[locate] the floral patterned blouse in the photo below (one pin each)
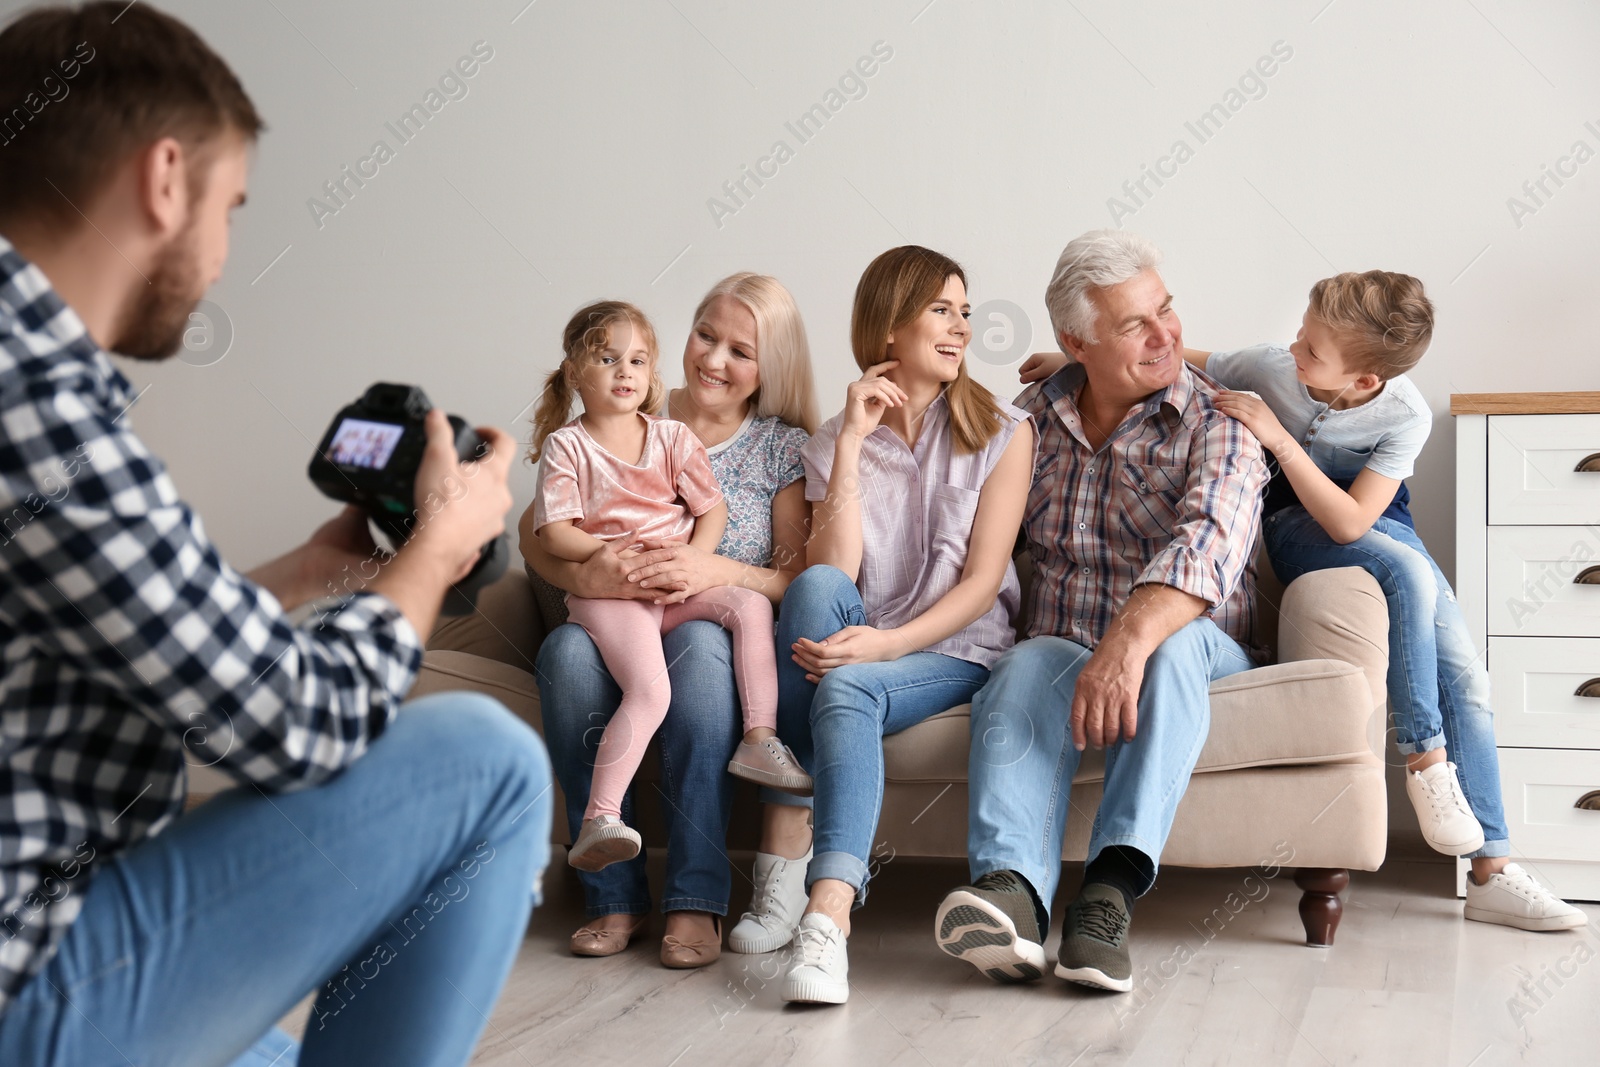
(752, 466)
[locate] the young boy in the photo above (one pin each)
(1345, 426)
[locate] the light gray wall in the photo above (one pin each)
(582, 160)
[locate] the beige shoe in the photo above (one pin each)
(602, 841)
(588, 941)
(770, 763)
(686, 955)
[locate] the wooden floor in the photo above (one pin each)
(1408, 983)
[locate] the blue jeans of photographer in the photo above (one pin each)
(400, 891)
(836, 729)
(703, 726)
(1438, 688)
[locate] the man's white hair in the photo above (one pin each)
(1097, 260)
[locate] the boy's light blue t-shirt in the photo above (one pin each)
(1386, 433)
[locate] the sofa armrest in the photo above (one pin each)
(506, 628)
(1338, 614)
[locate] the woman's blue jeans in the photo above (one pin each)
(702, 728)
(1438, 688)
(836, 729)
(400, 889)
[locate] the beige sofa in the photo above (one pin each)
(1291, 774)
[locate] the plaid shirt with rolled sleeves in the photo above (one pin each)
(1173, 497)
(129, 647)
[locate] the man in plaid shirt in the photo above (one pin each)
(1142, 525)
(388, 855)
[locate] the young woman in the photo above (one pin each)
(748, 397)
(917, 491)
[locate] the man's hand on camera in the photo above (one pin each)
(461, 507)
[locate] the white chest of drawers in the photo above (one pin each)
(1528, 581)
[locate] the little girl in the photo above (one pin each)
(616, 472)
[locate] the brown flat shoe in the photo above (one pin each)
(686, 955)
(590, 942)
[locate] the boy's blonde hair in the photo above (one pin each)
(1383, 320)
(783, 357)
(587, 334)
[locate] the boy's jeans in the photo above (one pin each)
(1438, 688)
(399, 891)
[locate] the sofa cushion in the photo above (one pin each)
(507, 626)
(444, 671)
(1306, 712)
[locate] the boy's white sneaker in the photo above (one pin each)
(775, 907)
(1513, 898)
(1448, 824)
(821, 971)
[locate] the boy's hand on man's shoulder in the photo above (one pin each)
(1257, 417)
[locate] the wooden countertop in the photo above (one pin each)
(1524, 403)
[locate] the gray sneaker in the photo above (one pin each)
(992, 925)
(1094, 941)
(770, 763)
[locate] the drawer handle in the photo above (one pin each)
(1590, 801)
(1588, 576)
(1591, 688)
(1589, 464)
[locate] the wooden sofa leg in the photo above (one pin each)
(1320, 907)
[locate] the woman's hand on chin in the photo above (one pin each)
(673, 571)
(853, 644)
(868, 397)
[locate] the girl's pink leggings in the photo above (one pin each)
(628, 635)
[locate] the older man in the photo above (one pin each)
(1141, 523)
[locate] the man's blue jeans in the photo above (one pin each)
(401, 889)
(703, 726)
(836, 729)
(1438, 688)
(1020, 769)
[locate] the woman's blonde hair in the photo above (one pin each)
(893, 290)
(1383, 320)
(785, 387)
(587, 334)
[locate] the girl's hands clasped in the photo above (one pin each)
(853, 644)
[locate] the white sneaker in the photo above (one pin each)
(1513, 898)
(775, 906)
(1448, 824)
(821, 971)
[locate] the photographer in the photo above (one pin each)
(386, 856)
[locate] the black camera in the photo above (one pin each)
(369, 457)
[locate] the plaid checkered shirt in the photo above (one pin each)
(1173, 497)
(130, 648)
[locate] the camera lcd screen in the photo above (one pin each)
(359, 443)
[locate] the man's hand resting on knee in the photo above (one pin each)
(1105, 699)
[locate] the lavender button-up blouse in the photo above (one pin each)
(917, 509)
